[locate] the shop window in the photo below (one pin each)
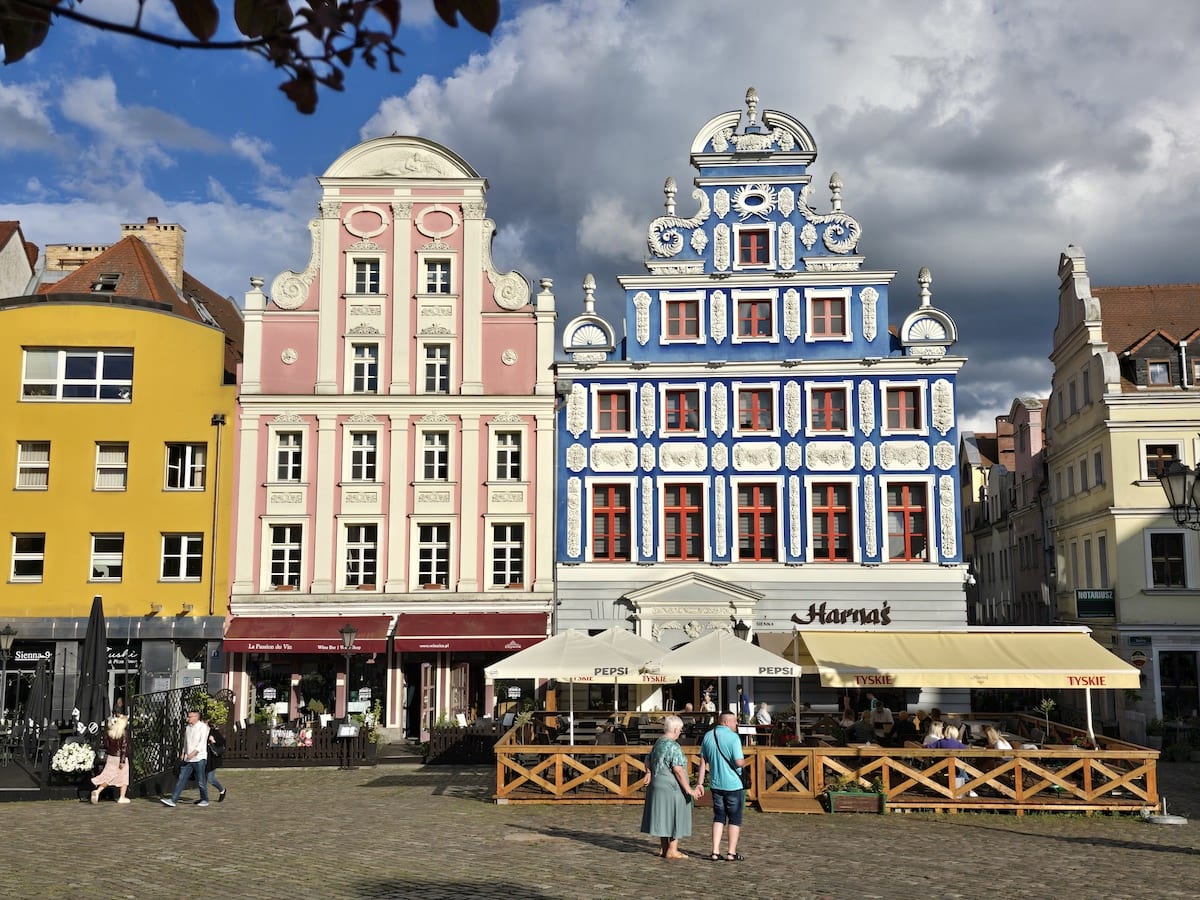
(508, 555)
(185, 466)
(756, 409)
(683, 319)
(612, 522)
(683, 522)
(362, 555)
(758, 523)
(832, 525)
(437, 276)
(1168, 566)
(112, 466)
(33, 465)
(433, 554)
(365, 375)
(682, 411)
(286, 544)
(289, 456)
(28, 557)
(435, 456)
(437, 368)
(182, 556)
(108, 557)
(508, 456)
(363, 456)
(612, 412)
(82, 374)
(908, 522)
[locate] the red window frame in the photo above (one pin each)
(903, 408)
(754, 247)
(756, 409)
(831, 506)
(612, 513)
(758, 523)
(827, 405)
(683, 522)
(827, 316)
(612, 412)
(683, 319)
(755, 318)
(681, 411)
(908, 508)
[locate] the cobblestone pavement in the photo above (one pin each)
(433, 832)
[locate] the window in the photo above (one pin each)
(1102, 558)
(106, 283)
(33, 465)
(754, 247)
(366, 369)
(827, 410)
(1087, 563)
(366, 276)
(1167, 566)
(362, 555)
(433, 554)
(285, 555)
(755, 318)
(435, 456)
(185, 466)
(1083, 475)
(828, 317)
(903, 408)
(1058, 485)
(362, 455)
(1070, 481)
(1158, 373)
(1157, 458)
(756, 409)
(508, 456)
(29, 557)
(612, 412)
(437, 368)
(112, 466)
(289, 456)
(682, 410)
(908, 526)
(108, 557)
(78, 375)
(611, 523)
(1072, 394)
(1098, 467)
(832, 527)
(683, 522)
(1087, 388)
(181, 557)
(1062, 415)
(508, 555)
(437, 276)
(758, 523)
(683, 319)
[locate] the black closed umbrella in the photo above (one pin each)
(91, 698)
(37, 708)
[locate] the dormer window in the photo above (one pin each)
(1158, 373)
(106, 283)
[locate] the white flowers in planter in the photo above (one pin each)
(73, 758)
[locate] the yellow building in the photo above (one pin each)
(118, 380)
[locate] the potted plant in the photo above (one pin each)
(847, 794)
(1046, 706)
(1154, 733)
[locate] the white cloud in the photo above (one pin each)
(24, 124)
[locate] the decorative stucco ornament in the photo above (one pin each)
(791, 314)
(664, 237)
(719, 399)
(808, 235)
(795, 545)
(866, 457)
(365, 233)
(510, 289)
(647, 518)
(719, 503)
(866, 407)
(720, 457)
(641, 303)
(869, 297)
(869, 524)
(699, 240)
(289, 290)
(787, 201)
(755, 457)
(791, 407)
(508, 357)
(787, 246)
(576, 457)
(646, 416)
(832, 456)
(903, 455)
(754, 200)
(943, 405)
(721, 203)
(577, 410)
(574, 517)
(943, 455)
(614, 457)
(721, 248)
(288, 356)
(716, 316)
(793, 456)
(946, 504)
(647, 457)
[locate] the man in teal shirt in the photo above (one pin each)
(721, 752)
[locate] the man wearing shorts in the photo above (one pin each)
(721, 754)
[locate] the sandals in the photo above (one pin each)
(734, 857)
(714, 857)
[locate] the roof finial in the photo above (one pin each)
(835, 189)
(752, 104)
(669, 189)
(924, 279)
(589, 288)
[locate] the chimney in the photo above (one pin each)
(166, 241)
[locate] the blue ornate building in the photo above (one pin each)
(756, 443)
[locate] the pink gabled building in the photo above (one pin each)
(397, 404)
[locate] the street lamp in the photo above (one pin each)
(7, 633)
(348, 633)
(741, 630)
(1179, 484)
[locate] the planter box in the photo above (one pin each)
(856, 802)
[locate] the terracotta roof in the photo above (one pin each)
(1131, 314)
(985, 441)
(227, 316)
(10, 228)
(140, 276)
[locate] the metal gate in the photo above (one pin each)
(157, 721)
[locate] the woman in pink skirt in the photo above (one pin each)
(116, 763)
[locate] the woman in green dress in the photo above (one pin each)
(668, 811)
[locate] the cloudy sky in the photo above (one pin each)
(978, 139)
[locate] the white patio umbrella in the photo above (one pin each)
(573, 656)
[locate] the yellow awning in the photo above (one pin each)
(991, 658)
(780, 643)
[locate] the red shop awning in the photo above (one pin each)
(305, 634)
(434, 632)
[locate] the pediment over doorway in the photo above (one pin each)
(688, 606)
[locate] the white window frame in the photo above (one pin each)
(497, 430)
(931, 515)
(660, 542)
(491, 524)
(107, 558)
(424, 362)
(424, 258)
(856, 554)
(1144, 443)
(847, 388)
(112, 469)
(1150, 382)
(428, 453)
(736, 242)
(781, 516)
(354, 450)
(353, 361)
(191, 546)
(295, 455)
(922, 386)
(27, 556)
(635, 522)
(736, 408)
(845, 294)
(594, 391)
(122, 387)
(701, 387)
(432, 265)
(416, 547)
(1188, 566)
(33, 466)
(268, 544)
(754, 294)
(346, 546)
(192, 466)
(700, 298)
(353, 258)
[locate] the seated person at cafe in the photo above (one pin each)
(687, 708)
(950, 741)
(994, 740)
(935, 716)
(862, 731)
(881, 716)
(903, 729)
(934, 734)
(707, 705)
(964, 730)
(763, 715)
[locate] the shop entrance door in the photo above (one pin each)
(428, 699)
